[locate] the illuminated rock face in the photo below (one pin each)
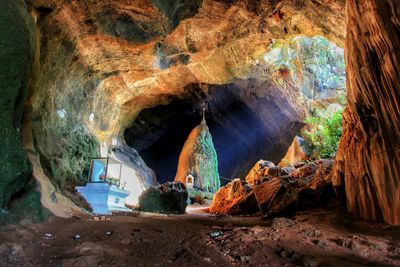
(368, 160)
(199, 159)
(295, 154)
(103, 62)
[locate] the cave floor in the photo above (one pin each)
(313, 238)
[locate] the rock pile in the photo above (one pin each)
(276, 191)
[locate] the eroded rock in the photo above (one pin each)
(306, 187)
(295, 153)
(368, 158)
(260, 171)
(167, 198)
(234, 199)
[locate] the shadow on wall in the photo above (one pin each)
(245, 127)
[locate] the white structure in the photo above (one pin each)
(104, 198)
(189, 181)
(110, 186)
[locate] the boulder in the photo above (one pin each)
(260, 171)
(305, 171)
(168, 198)
(277, 197)
(295, 153)
(235, 198)
(287, 170)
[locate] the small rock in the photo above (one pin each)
(317, 233)
(350, 244)
(207, 259)
(375, 246)
(309, 233)
(280, 223)
(257, 230)
(319, 243)
(126, 241)
(109, 233)
(245, 258)
(77, 237)
(215, 234)
(48, 236)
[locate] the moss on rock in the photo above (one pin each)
(16, 48)
(24, 205)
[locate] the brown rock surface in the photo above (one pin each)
(235, 198)
(259, 172)
(275, 197)
(308, 187)
(368, 159)
(294, 154)
(305, 171)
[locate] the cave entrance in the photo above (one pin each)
(241, 135)
(252, 119)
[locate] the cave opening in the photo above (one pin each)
(240, 134)
(251, 119)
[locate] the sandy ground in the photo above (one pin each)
(316, 238)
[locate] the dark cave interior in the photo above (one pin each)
(240, 135)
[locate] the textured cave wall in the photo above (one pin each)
(16, 54)
(368, 159)
(102, 62)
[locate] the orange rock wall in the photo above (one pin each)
(368, 160)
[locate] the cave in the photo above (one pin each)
(200, 133)
(241, 136)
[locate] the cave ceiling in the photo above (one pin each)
(100, 63)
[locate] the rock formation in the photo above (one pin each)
(16, 55)
(236, 198)
(260, 171)
(367, 168)
(296, 153)
(278, 194)
(166, 198)
(102, 63)
(199, 159)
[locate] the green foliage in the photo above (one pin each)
(323, 132)
(78, 149)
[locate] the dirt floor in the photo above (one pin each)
(316, 238)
